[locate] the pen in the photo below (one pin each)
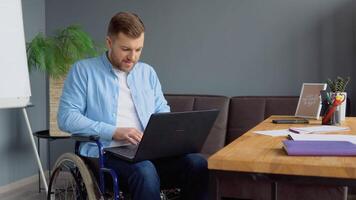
(329, 99)
(292, 130)
(325, 97)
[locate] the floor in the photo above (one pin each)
(28, 192)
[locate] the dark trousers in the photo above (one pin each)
(144, 179)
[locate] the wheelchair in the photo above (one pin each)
(75, 177)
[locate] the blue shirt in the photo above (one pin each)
(89, 101)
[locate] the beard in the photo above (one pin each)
(121, 65)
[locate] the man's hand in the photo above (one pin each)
(131, 135)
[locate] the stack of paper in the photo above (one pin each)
(318, 129)
(303, 130)
(322, 137)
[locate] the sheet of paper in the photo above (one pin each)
(319, 129)
(280, 132)
(323, 137)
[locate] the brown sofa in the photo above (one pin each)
(238, 115)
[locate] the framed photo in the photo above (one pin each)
(309, 104)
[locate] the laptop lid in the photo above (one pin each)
(173, 134)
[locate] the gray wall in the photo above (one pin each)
(231, 47)
(227, 47)
(16, 154)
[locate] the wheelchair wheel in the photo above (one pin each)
(71, 180)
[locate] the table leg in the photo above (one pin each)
(49, 159)
(39, 175)
(274, 191)
(214, 192)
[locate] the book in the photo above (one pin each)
(319, 148)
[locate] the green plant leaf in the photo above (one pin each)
(338, 85)
(55, 54)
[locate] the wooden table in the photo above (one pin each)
(260, 154)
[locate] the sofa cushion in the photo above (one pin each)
(245, 112)
(180, 103)
(216, 138)
(286, 105)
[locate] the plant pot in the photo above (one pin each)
(55, 92)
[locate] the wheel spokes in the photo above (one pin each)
(67, 184)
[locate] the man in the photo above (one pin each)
(113, 96)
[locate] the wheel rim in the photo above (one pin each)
(66, 183)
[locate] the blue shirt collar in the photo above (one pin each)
(106, 61)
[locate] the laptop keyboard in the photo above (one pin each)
(126, 151)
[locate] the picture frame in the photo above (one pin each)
(309, 104)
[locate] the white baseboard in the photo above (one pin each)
(15, 186)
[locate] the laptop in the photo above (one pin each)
(169, 134)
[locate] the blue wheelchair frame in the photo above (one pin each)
(174, 192)
(102, 168)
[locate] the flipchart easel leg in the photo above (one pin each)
(35, 149)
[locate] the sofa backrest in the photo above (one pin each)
(237, 114)
(217, 136)
(245, 112)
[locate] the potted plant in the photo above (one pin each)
(338, 87)
(55, 55)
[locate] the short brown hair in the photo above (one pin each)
(125, 22)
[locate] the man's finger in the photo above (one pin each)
(132, 141)
(139, 135)
(136, 137)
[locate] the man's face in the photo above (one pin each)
(124, 52)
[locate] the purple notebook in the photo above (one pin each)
(319, 148)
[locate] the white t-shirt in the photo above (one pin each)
(126, 111)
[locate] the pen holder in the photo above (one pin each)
(332, 116)
(342, 108)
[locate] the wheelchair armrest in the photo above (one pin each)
(95, 138)
(91, 138)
